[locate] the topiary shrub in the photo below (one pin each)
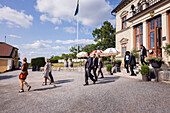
(145, 70)
(109, 67)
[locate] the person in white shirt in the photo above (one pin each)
(126, 60)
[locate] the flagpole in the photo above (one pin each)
(77, 34)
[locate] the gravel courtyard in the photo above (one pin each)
(113, 94)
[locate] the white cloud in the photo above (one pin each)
(56, 28)
(14, 36)
(81, 41)
(59, 47)
(70, 29)
(51, 19)
(85, 30)
(12, 16)
(92, 12)
(113, 22)
(1, 5)
(37, 45)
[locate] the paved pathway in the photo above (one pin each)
(113, 94)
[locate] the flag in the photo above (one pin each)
(77, 8)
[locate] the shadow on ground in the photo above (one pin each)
(7, 77)
(48, 88)
(108, 80)
(63, 81)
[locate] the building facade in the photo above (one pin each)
(144, 22)
(9, 57)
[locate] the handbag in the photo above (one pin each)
(22, 76)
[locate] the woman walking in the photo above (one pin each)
(46, 72)
(23, 75)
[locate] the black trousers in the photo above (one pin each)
(131, 69)
(88, 74)
(142, 59)
(127, 66)
(100, 71)
(94, 72)
(51, 77)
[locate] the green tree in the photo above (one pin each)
(105, 36)
(73, 51)
(89, 48)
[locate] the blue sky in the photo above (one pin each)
(48, 27)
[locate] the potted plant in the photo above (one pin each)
(167, 51)
(109, 68)
(145, 71)
(155, 62)
(118, 63)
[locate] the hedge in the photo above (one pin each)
(39, 61)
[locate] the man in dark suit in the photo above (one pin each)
(95, 66)
(100, 66)
(132, 62)
(126, 60)
(88, 67)
(143, 54)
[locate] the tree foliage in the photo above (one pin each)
(104, 36)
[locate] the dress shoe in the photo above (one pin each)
(85, 84)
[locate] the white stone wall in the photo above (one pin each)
(128, 33)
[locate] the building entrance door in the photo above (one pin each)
(155, 36)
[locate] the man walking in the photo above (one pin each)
(132, 62)
(143, 54)
(50, 72)
(126, 61)
(88, 67)
(95, 66)
(100, 66)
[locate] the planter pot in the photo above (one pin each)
(156, 64)
(145, 78)
(117, 64)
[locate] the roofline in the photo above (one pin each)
(119, 6)
(8, 57)
(146, 10)
(9, 45)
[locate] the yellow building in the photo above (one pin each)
(144, 22)
(9, 58)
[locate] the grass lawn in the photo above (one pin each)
(62, 64)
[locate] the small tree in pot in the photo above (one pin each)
(145, 71)
(118, 63)
(167, 51)
(109, 68)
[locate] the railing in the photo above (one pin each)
(142, 5)
(152, 2)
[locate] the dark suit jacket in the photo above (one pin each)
(144, 53)
(95, 62)
(132, 61)
(89, 63)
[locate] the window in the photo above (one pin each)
(123, 49)
(138, 36)
(124, 22)
(155, 31)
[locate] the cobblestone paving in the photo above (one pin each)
(113, 94)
